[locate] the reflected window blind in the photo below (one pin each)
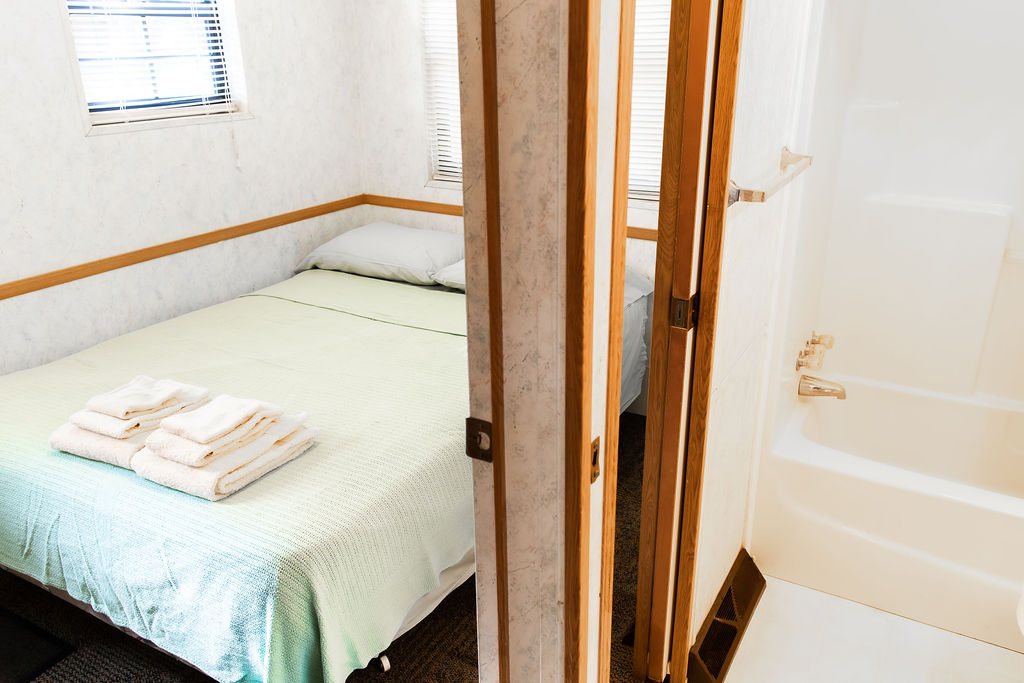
(150, 59)
(650, 65)
(441, 67)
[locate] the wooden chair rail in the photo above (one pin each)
(83, 270)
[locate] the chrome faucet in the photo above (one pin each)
(813, 354)
(815, 386)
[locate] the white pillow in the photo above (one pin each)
(453, 276)
(389, 251)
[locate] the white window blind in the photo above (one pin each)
(650, 63)
(647, 122)
(150, 59)
(441, 66)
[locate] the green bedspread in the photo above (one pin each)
(307, 573)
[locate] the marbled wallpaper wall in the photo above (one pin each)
(532, 85)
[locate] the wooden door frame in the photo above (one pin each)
(496, 362)
(620, 205)
(726, 70)
(693, 202)
(680, 214)
(584, 39)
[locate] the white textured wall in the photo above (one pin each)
(775, 41)
(335, 92)
(393, 125)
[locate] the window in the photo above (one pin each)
(441, 66)
(647, 121)
(650, 64)
(150, 59)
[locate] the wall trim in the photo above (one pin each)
(649, 234)
(412, 204)
(62, 276)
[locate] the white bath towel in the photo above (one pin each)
(220, 416)
(85, 444)
(144, 395)
(117, 428)
(188, 452)
(284, 441)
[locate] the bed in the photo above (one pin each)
(313, 570)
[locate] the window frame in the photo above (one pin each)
(230, 104)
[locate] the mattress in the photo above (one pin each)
(312, 570)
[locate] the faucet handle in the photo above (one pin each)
(810, 357)
(825, 340)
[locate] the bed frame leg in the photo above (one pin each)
(383, 663)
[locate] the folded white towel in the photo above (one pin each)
(86, 444)
(188, 452)
(285, 440)
(117, 428)
(220, 416)
(144, 395)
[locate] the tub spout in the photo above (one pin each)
(815, 386)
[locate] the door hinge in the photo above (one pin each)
(595, 460)
(478, 439)
(684, 312)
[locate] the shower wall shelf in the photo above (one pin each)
(790, 166)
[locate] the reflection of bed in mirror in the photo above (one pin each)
(313, 570)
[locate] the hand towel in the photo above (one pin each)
(116, 428)
(218, 417)
(144, 395)
(86, 444)
(187, 452)
(283, 442)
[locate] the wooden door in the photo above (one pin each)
(703, 52)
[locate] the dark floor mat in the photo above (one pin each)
(26, 650)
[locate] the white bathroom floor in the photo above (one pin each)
(799, 635)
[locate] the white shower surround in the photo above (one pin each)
(908, 496)
(854, 504)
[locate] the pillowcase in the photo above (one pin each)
(389, 251)
(453, 276)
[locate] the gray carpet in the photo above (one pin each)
(442, 648)
(627, 543)
(26, 650)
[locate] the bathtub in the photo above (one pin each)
(908, 501)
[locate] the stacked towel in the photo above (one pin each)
(222, 447)
(114, 425)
